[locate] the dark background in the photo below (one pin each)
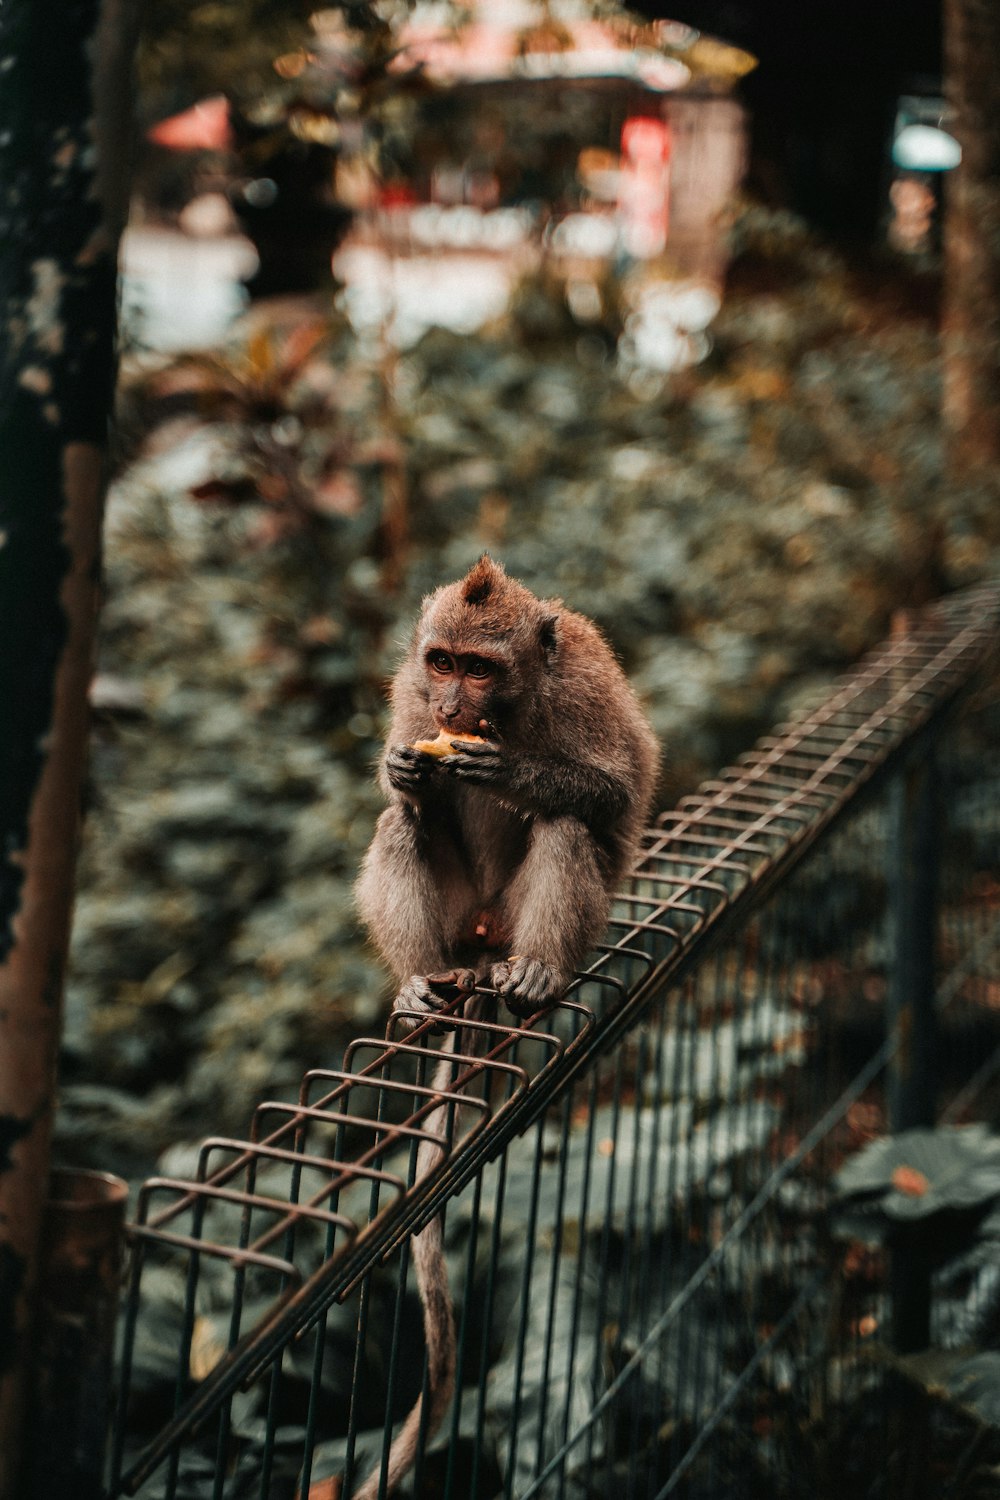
(823, 98)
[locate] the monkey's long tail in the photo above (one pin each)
(439, 1319)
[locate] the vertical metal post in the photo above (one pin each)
(913, 899)
(912, 1081)
(80, 1256)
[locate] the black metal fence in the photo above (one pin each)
(651, 1299)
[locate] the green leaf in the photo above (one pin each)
(961, 1167)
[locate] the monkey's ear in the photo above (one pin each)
(548, 638)
(478, 584)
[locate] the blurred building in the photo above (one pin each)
(569, 118)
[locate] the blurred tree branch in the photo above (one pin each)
(972, 239)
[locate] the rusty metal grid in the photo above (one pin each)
(347, 1145)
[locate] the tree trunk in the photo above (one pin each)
(64, 108)
(972, 239)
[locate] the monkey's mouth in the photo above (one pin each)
(484, 728)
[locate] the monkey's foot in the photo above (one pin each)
(527, 984)
(430, 993)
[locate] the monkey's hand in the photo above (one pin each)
(429, 993)
(482, 765)
(409, 770)
(553, 787)
(527, 984)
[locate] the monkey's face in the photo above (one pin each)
(479, 651)
(464, 690)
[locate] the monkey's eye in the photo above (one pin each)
(439, 661)
(479, 668)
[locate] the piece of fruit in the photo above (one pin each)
(444, 745)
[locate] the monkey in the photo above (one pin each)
(495, 866)
(501, 860)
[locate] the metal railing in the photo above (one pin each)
(634, 1182)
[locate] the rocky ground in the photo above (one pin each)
(741, 530)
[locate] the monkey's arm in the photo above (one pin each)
(558, 903)
(411, 895)
(400, 895)
(549, 786)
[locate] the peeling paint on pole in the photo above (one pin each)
(64, 97)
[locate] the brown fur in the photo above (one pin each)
(499, 862)
(542, 848)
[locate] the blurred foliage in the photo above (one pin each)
(921, 1174)
(225, 46)
(251, 51)
(268, 401)
(740, 529)
(971, 1381)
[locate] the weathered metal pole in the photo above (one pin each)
(912, 1082)
(65, 67)
(913, 900)
(69, 1385)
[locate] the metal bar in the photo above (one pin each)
(530, 1243)
(733, 1392)
(491, 1287)
(573, 1341)
(911, 1016)
(707, 1266)
(555, 1255)
(913, 882)
(462, 1338)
